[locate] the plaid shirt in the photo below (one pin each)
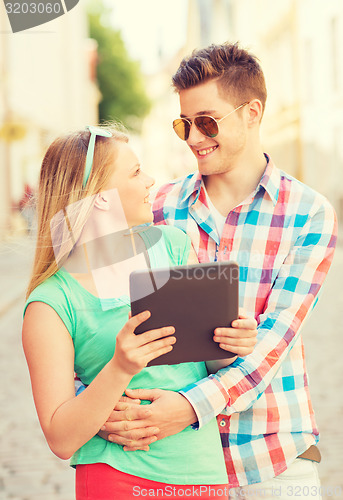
(283, 237)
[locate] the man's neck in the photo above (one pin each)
(231, 188)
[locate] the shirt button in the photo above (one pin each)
(222, 423)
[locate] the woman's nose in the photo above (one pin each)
(150, 181)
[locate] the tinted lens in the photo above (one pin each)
(207, 125)
(181, 128)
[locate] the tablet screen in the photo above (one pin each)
(194, 299)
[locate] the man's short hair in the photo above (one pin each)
(237, 72)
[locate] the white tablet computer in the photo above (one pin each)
(194, 299)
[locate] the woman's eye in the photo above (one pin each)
(138, 171)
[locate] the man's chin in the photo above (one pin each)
(210, 169)
(203, 170)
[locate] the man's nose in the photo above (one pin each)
(195, 136)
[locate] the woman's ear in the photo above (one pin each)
(101, 202)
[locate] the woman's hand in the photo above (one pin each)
(240, 338)
(133, 352)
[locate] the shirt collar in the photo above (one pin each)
(270, 182)
(191, 189)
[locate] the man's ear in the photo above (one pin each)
(255, 110)
(101, 202)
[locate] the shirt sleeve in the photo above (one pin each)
(56, 299)
(292, 296)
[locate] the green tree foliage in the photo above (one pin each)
(119, 78)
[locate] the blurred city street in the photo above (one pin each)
(29, 471)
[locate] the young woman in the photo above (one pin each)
(94, 228)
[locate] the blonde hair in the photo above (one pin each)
(61, 191)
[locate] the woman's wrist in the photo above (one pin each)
(118, 371)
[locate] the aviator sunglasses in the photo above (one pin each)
(207, 125)
(94, 131)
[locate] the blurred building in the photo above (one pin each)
(47, 87)
(300, 46)
(163, 153)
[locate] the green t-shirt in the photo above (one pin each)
(189, 457)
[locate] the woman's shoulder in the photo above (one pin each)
(176, 242)
(52, 291)
(51, 286)
(172, 233)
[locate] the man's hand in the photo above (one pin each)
(128, 425)
(135, 427)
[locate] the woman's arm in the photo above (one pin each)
(67, 421)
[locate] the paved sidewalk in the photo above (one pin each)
(16, 257)
(323, 342)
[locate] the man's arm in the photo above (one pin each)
(136, 427)
(290, 300)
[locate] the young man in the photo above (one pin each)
(240, 206)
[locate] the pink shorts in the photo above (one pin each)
(102, 482)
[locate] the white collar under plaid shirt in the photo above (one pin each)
(283, 237)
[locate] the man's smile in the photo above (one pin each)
(206, 151)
